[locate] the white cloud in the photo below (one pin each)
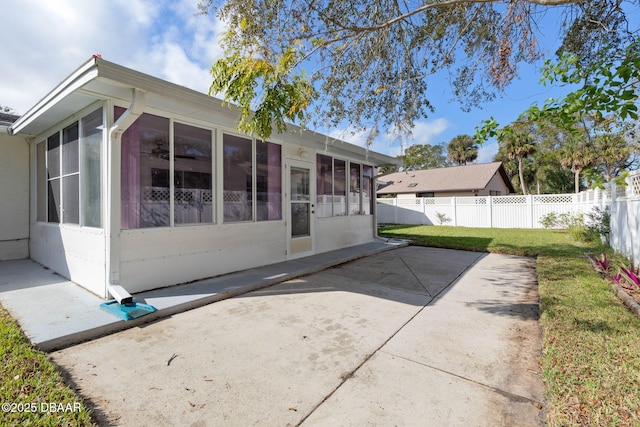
(428, 132)
(49, 40)
(424, 132)
(486, 152)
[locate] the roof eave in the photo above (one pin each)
(116, 75)
(83, 74)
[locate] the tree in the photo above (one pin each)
(518, 145)
(369, 62)
(576, 155)
(424, 156)
(462, 149)
(7, 110)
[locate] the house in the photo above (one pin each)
(483, 179)
(119, 178)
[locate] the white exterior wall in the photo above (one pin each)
(156, 257)
(495, 184)
(343, 231)
(77, 253)
(14, 196)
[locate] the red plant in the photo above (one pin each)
(601, 263)
(632, 275)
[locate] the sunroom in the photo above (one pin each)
(141, 183)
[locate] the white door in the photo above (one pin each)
(300, 209)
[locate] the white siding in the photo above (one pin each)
(153, 258)
(14, 196)
(343, 231)
(77, 253)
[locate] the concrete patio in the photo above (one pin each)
(56, 313)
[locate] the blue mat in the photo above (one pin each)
(128, 311)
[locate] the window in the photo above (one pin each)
(354, 189)
(426, 194)
(331, 185)
(238, 178)
(324, 186)
(91, 127)
(300, 203)
(53, 178)
(367, 190)
(339, 187)
(145, 189)
(68, 173)
(268, 181)
(41, 180)
(193, 193)
(147, 167)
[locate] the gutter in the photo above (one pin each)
(112, 225)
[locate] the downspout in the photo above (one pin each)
(112, 225)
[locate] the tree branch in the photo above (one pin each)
(447, 3)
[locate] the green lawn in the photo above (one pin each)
(32, 392)
(591, 342)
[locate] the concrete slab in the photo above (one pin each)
(354, 345)
(468, 359)
(55, 313)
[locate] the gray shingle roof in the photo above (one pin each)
(456, 178)
(7, 119)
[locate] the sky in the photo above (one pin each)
(45, 41)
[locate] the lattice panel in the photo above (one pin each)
(429, 201)
(509, 200)
(207, 196)
(184, 197)
(471, 200)
(553, 198)
(155, 194)
(233, 196)
(635, 185)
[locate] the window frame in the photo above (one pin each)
(348, 204)
(43, 181)
(255, 216)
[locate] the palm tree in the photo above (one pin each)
(462, 149)
(576, 154)
(518, 146)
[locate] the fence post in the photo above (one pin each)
(455, 211)
(530, 207)
(490, 210)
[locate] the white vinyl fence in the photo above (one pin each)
(625, 218)
(487, 211)
(525, 211)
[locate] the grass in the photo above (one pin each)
(591, 342)
(32, 391)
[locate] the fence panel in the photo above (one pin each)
(488, 211)
(511, 212)
(625, 218)
(472, 212)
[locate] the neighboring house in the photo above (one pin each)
(117, 177)
(484, 179)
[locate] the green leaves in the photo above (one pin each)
(275, 92)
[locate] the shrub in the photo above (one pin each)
(599, 222)
(549, 220)
(442, 218)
